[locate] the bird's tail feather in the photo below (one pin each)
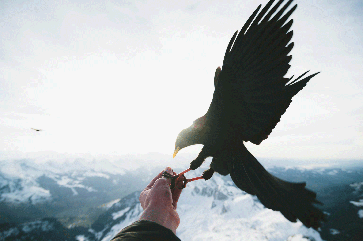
(293, 200)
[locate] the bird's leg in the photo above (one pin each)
(192, 179)
(196, 163)
(185, 171)
(203, 154)
(207, 174)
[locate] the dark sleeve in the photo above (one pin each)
(145, 230)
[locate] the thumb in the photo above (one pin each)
(169, 170)
(161, 189)
(167, 180)
(163, 181)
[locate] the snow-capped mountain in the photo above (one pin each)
(69, 191)
(33, 181)
(19, 180)
(95, 200)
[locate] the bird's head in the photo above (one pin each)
(192, 135)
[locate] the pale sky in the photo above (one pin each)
(124, 77)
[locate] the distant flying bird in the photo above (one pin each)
(37, 129)
(250, 96)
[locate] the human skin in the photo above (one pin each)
(159, 201)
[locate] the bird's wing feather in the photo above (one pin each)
(218, 71)
(252, 76)
(293, 200)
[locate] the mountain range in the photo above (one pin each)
(92, 200)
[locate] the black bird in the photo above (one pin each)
(36, 129)
(251, 94)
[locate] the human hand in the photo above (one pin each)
(159, 201)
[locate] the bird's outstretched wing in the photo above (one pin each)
(252, 82)
(293, 200)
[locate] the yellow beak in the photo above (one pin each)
(176, 151)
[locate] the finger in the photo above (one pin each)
(177, 191)
(142, 199)
(160, 175)
(161, 193)
(175, 196)
(151, 184)
(170, 171)
(144, 193)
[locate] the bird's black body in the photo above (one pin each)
(251, 94)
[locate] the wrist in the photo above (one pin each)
(167, 218)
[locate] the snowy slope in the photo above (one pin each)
(217, 210)
(358, 189)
